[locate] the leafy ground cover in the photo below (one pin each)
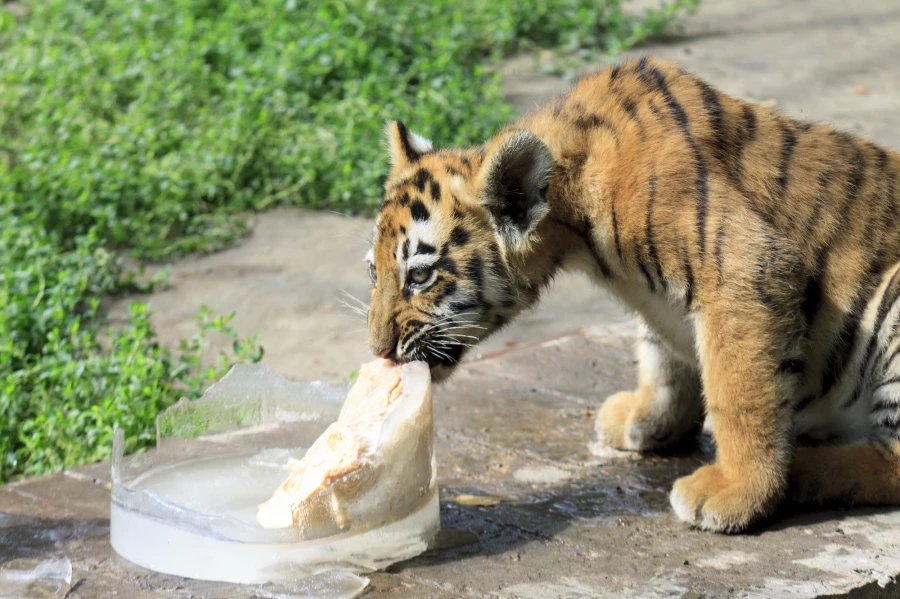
(143, 127)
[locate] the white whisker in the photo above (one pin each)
(464, 326)
(454, 316)
(355, 313)
(435, 350)
(440, 335)
(367, 241)
(355, 299)
(456, 322)
(446, 345)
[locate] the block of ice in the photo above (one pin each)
(189, 506)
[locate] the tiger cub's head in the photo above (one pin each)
(449, 244)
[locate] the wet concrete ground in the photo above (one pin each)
(576, 520)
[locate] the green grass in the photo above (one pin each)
(147, 127)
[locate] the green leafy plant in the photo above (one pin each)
(62, 394)
(191, 371)
(155, 122)
(153, 127)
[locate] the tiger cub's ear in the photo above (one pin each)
(406, 146)
(513, 187)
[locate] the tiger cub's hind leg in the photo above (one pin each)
(864, 473)
(666, 406)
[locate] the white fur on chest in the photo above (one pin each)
(665, 315)
(668, 318)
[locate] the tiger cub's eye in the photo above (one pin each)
(419, 275)
(372, 274)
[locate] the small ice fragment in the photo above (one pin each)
(28, 577)
(326, 585)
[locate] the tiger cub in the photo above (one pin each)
(761, 255)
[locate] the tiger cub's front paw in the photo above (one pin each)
(624, 422)
(709, 500)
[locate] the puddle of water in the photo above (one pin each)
(633, 487)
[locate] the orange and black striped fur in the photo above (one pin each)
(760, 253)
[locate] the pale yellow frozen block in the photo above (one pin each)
(373, 465)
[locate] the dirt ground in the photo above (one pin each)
(825, 60)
